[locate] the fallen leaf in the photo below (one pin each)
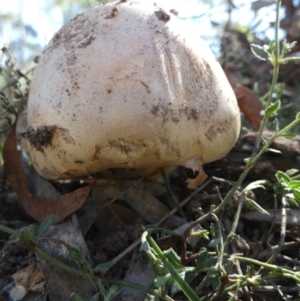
(248, 102)
(141, 273)
(38, 208)
(31, 278)
(60, 240)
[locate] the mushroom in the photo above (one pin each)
(124, 85)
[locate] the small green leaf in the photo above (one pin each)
(214, 242)
(255, 280)
(246, 160)
(95, 297)
(76, 254)
(294, 184)
(279, 188)
(250, 271)
(256, 206)
(112, 292)
(282, 177)
(44, 226)
(296, 193)
(214, 280)
(240, 242)
(255, 185)
(202, 259)
(174, 289)
(298, 116)
(28, 236)
(199, 233)
(292, 200)
(273, 108)
(260, 52)
(103, 266)
(187, 276)
(173, 258)
(287, 46)
(288, 136)
(160, 281)
(144, 242)
(271, 47)
(291, 172)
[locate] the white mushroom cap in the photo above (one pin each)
(124, 86)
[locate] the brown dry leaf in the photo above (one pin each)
(248, 102)
(30, 278)
(37, 208)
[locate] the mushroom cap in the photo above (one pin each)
(124, 85)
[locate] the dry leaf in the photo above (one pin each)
(61, 284)
(248, 102)
(31, 278)
(37, 208)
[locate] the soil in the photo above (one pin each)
(259, 236)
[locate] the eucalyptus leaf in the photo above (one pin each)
(44, 226)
